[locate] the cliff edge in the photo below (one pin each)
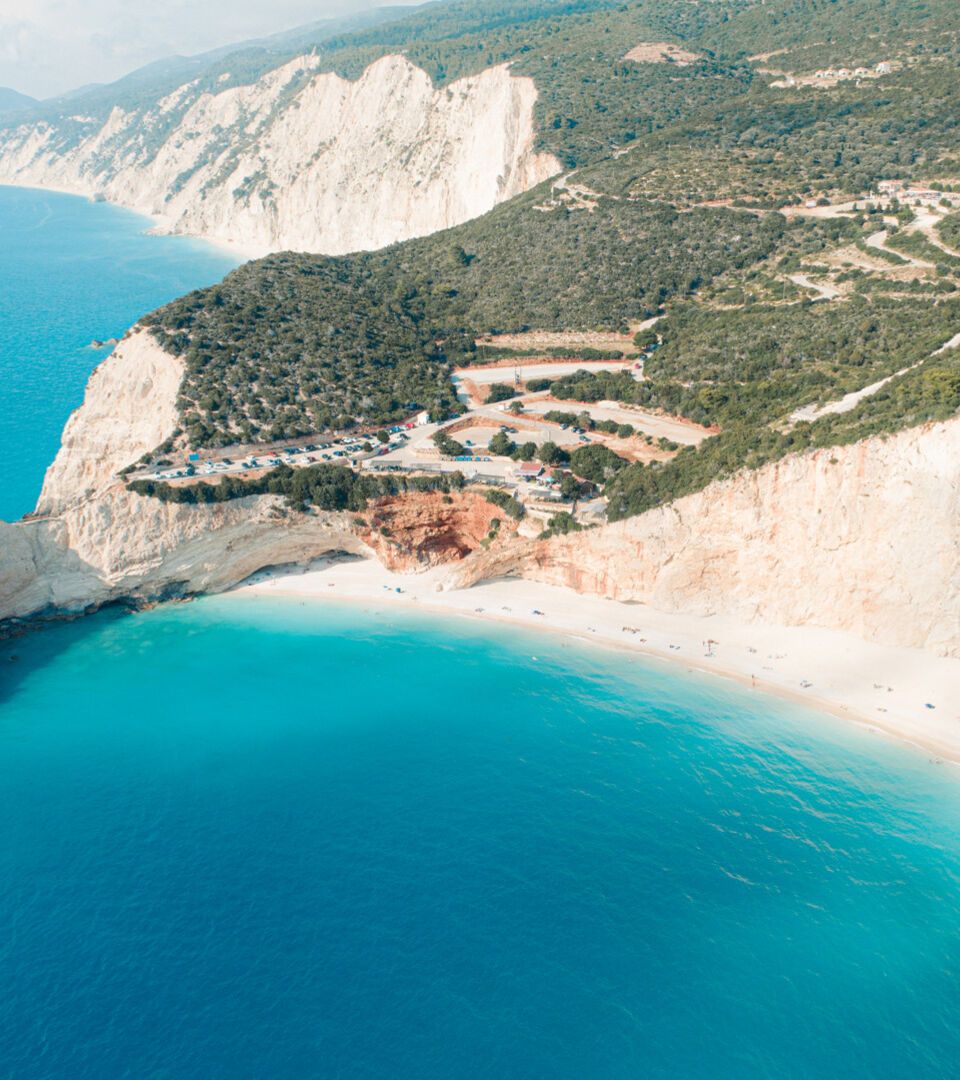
(301, 159)
(862, 538)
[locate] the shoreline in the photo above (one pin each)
(158, 224)
(880, 688)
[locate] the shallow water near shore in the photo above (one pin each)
(257, 837)
(70, 271)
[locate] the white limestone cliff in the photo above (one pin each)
(93, 541)
(129, 408)
(301, 159)
(862, 538)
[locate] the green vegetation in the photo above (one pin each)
(750, 369)
(561, 524)
(500, 392)
(596, 463)
(551, 454)
(883, 254)
(501, 445)
(507, 503)
(917, 245)
(770, 147)
(949, 230)
(524, 452)
(295, 344)
(326, 487)
(487, 353)
(754, 366)
(931, 392)
(448, 446)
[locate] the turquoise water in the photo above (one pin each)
(71, 271)
(253, 838)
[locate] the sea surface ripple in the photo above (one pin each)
(251, 837)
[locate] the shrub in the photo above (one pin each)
(500, 392)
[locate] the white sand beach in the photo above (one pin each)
(890, 690)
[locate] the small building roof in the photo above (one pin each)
(530, 468)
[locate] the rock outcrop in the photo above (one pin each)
(129, 408)
(93, 541)
(418, 531)
(862, 538)
(301, 159)
(119, 546)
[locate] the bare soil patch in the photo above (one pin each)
(661, 52)
(545, 340)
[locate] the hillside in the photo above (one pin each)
(348, 135)
(302, 158)
(737, 257)
(13, 103)
(714, 249)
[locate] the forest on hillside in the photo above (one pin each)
(294, 344)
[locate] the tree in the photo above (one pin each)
(596, 463)
(561, 524)
(447, 446)
(500, 392)
(501, 445)
(525, 452)
(551, 454)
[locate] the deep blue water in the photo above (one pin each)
(253, 838)
(71, 271)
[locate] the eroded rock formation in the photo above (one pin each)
(863, 538)
(301, 159)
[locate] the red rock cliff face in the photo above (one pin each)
(417, 531)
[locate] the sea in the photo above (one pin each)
(258, 837)
(72, 271)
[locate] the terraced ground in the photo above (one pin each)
(747, 218)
